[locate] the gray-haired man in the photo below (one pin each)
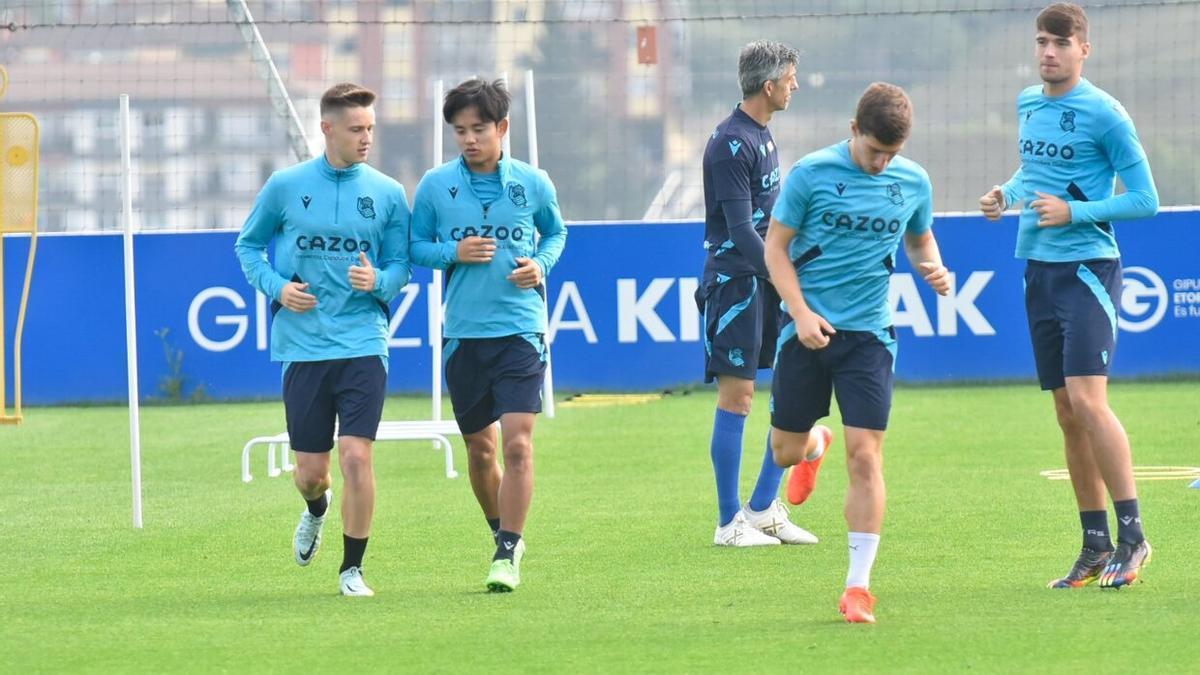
(741, 308)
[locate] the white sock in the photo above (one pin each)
(863, 546)
(819, 449)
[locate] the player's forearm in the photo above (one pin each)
(549, 248)
(743, 235)
(390, 279)
(921, 249)
(393, 269)
(1140, 199)
(783, 278)
(258, 271)
(434, 254)
(1014, 189)
(252, 242)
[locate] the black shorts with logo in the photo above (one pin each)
(857, 366)
(488, 377)
(741, 322)
(1072, 312)
(318, 394)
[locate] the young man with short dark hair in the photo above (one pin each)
(831, 249)
(1075, 139)
(493, 223)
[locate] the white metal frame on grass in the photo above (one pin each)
(278, 446)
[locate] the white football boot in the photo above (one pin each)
(307, 539)
(774, 521)
(352, 584)
(741, 534)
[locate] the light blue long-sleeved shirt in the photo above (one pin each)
(320, 219)
(1073, 146)
(480, 301)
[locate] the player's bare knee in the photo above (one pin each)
(735, 395)
(1064, 411)
(863, 462)
(482, 459)
(355, 464)
(518, 453)
(481, 452)
(305, 484)
(1067, 420)
(738, 406)
(788, 451)
(1087, 409)
(310, 483)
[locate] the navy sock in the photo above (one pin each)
(506, 545)
(769, 478)
(726, 451)
(317, 507)
(1129, 522)
(1095, 530)
(494, 523)
(352, 552)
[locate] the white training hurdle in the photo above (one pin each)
(278, 445)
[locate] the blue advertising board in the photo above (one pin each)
(621, 307)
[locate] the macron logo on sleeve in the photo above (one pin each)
(734, 146)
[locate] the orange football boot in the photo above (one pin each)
(857, 605)
(803, 478)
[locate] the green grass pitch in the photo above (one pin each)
(620, 575)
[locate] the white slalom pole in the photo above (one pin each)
(435, 286)
(135, 442)
(506, 143)
(531, 131)
(531, 119)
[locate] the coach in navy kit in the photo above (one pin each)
(740, 306)
(492, 222)
(340, 230)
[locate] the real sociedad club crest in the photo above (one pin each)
(366, 207)
(894, 194)
(516, 194)
(1067, 121)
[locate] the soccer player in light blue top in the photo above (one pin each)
(340, 230)
(830, 250)
(493, 224)
(740, 307)
(1074, 140)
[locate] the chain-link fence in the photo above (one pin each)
(622, 139)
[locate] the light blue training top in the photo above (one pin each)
(524, 221)
(848, 225)
(1073, 146)
(320, 219)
